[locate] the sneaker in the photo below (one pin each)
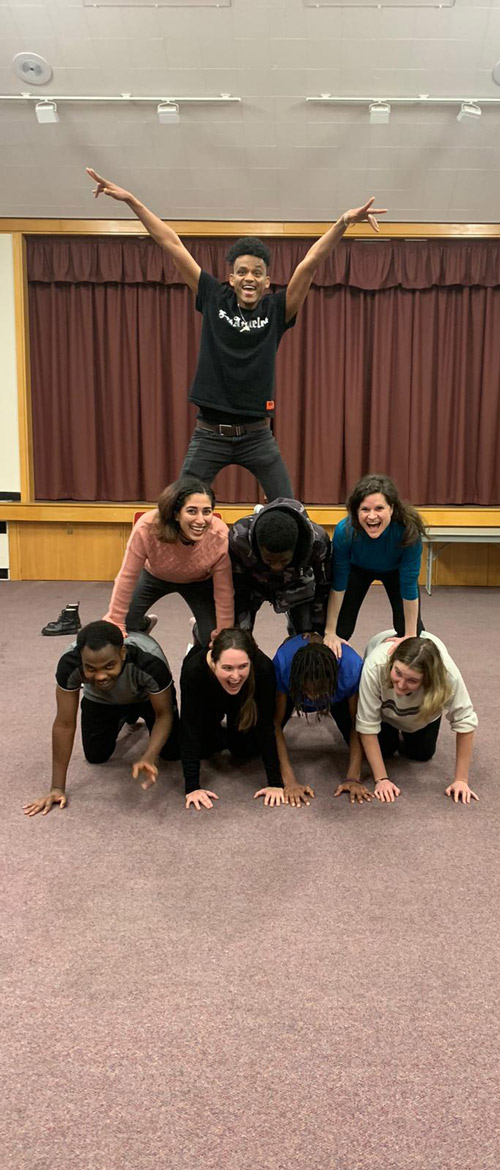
(67, 623)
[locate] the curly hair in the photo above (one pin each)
(402, 513)
(249, 246)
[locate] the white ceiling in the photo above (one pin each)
(273, 157)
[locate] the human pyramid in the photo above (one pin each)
(232, 695)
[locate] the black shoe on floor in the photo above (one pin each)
(67, 623)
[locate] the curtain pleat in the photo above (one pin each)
(393, 366)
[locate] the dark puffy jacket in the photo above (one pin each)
(305, 582)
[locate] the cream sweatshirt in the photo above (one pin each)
(180, 562)
(378, 702)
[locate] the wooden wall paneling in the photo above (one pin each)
(493, 564)
(69, 552)
(462, 564)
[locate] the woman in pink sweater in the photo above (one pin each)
(180, 547)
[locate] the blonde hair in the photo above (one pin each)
(422, 655)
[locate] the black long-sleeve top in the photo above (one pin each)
(204, 703)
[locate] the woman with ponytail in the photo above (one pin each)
(234, 682)
(403, 693)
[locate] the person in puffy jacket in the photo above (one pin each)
(279, 555)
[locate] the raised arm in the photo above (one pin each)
(63, 734)
(301, 280)
(160, 231)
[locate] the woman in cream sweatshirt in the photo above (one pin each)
(403, 692)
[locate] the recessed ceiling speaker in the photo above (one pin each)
(30, 67)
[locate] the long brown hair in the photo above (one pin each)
(233, 639)
(172, 498)
(424, 656)
(402, 513)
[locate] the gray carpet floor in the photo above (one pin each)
(247, 988)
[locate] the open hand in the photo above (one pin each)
(272, 796)
(150, 770)
(106, 187)
(357, 791)
(44, 804)
(298, 794)
(364, 214)
(460, 791)
(201, 798)
(386, 791)
(335, 643)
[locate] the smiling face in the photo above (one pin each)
(195, 517)
(102, 667)
(250, 280)
(231, 670)
(374, 514)
(404, 679)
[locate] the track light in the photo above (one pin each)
(46, 112)
(468, 110)
(380, 113)
(168, 113)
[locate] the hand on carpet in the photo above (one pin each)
(201, 798)
(357, 791)
(272, 796)
(460, 791)
(296, 794)
(44, 804)
(386, 791)
(151, 773)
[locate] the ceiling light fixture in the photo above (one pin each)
(380, 113)
(168, 113)
(470, 107)
(468, 110)
(46, 111)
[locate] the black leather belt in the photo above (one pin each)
(231, 430)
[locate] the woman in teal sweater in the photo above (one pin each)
(380, 540)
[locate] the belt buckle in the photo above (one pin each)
(226, 430)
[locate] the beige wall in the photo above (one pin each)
(10, 477)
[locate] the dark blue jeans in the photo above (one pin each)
(208, 453)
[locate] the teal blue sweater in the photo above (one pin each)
(379, 555)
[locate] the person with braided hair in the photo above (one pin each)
(311, 680)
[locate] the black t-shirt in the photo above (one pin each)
(235, 374)
(145, 672)
(204, 703)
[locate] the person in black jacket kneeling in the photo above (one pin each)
(279, 555)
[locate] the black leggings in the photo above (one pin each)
(101, 722)
(357, 587)
(416, 745)
(199, 595)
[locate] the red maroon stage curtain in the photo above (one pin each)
(393, 366)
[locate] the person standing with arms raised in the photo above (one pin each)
(243, 324)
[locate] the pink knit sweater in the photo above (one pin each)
(175, 562)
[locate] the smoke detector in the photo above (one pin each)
(30, 67)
